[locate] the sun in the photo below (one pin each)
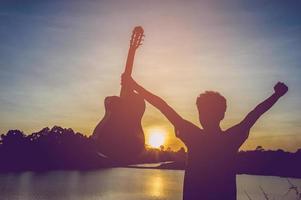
(156, 138)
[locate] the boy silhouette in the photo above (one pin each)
(210, 171)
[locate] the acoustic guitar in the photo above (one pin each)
(119, 135)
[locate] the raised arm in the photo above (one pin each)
(279, 90)
(240, 132)
(156, 101)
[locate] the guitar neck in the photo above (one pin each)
(128, 71)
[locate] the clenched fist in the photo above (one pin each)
(280, 89)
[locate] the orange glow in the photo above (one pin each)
(156, 138)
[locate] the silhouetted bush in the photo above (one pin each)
(55, 148)
(260, 162)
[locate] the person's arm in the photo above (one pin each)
(156, 101)
(184, 129)
(241, 130)
(279, 90)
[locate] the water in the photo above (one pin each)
(124, 184)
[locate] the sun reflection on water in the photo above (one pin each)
(156, 186)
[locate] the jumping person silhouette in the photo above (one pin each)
(210, 172)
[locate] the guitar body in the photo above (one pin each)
(119, 134)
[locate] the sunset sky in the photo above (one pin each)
(59, 59)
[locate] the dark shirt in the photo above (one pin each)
(210, 172)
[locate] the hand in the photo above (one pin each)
(280, 89)
(127, 80)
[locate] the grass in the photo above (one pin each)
(292, 188)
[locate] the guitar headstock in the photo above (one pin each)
(137, 37)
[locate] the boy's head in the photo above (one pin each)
(212, 107)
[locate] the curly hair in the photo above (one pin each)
(211, 101)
